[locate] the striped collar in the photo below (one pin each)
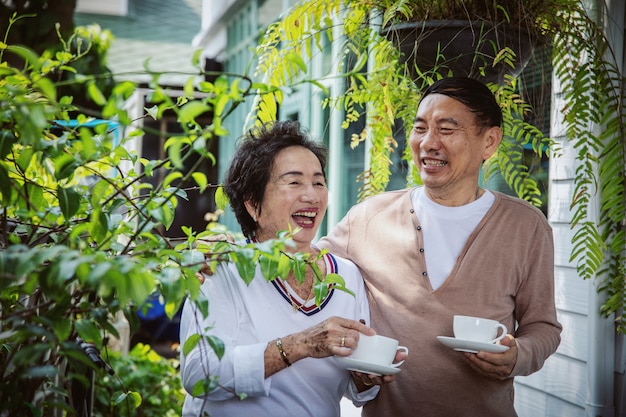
(307, 308)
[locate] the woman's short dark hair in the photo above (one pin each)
(474, 94)
(253, 161)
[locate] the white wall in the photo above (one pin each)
(578, 380)
(108, 7)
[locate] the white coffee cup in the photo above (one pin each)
(478, 329)
(377, 349)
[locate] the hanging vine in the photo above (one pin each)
(590, 81)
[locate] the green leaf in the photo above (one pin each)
(24, 159)
(153, 111)
(199, 146)
(35, 196)
(191, 342)
(295, 58)
(95, 94)
(200, 179)
(334, 279)
(299, 269)
(98, 225)
(7, 140)
(203, 386)
(26, 53)
(189, 88)
(221, 199)
(245, 263)
(191, 110)
(133, 396)
(174, 151)
(64, 166)
(217, 345)
(98, 192)
(171, 177)
(6, 189)
(46, 86)
(88, 331)
(269, 267)
(221, 104)
(321, 291)
(163, 214)
(320, 86)
(203, 306)
(62, 329)
(195, 60)
(284, 266)
(69, 201)
(139, 286)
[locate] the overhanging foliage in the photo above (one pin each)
(378, 88)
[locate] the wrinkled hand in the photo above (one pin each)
(365, 381)
(495, 365)
(333, 336)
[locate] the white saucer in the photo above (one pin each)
(471, 346)
(366, 367)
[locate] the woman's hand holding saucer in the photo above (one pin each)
(365, 381)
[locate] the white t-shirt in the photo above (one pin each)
(246, 318)
(445, 230)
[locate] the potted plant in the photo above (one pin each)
(464, 37)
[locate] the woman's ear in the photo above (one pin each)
(251, 209)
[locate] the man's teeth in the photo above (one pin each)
(434, 163)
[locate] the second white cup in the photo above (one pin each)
(377, 349)
(478, 329)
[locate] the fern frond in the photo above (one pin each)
(593, 88)
(285, 49)
(588, 250)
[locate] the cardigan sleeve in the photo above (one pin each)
(538, 331)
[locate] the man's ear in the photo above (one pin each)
(493, 137)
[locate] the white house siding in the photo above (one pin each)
(109, 7)
(149, 34)
(581, 378)
(559, 389)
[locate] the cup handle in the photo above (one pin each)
(504, 331)
(405, 350)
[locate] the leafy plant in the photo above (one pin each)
(379, 86)
(81, 230)
(595, 123)
(142, 371)
(78, 243)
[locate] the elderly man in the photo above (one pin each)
(452, 247)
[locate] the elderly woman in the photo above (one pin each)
(279, 344)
